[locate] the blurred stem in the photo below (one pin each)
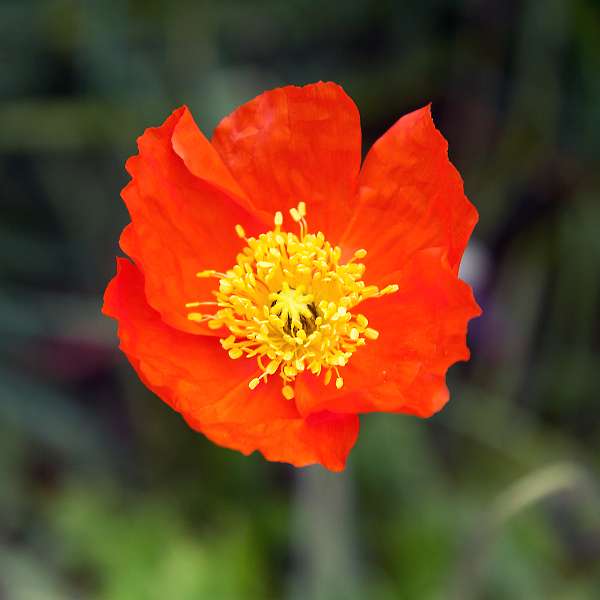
(324, 544)
(524, 493)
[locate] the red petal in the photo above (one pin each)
(182, 222)
(322, 438)
(422, 333)
(410, 197)
(292, 144)
(202, 160)
(194, 375)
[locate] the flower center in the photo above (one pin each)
(288, 303)
(296, 309)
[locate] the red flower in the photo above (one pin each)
(278, 289)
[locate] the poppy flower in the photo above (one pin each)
(277, 289)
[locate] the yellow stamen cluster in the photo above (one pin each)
(287, 302)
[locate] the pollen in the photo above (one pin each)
(289, 303)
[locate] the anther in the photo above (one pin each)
(362, 320)
(210, 273)
(288, 392)
(390, 289)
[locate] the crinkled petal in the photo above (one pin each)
(201, 159)
(422, 332)
(292, 144)
(410, 198)
(184, 205)
(194, 375)
(322, 438)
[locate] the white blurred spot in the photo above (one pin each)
(475, 265)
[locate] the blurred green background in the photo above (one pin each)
(105, 493)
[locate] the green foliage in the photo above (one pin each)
(146, 550)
